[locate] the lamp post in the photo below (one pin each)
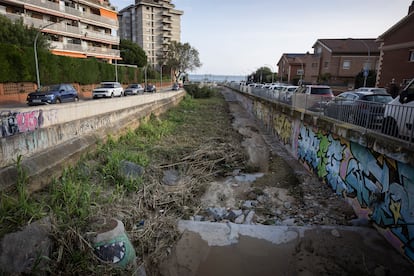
(366, 70)
(116, 65)
(35, 52)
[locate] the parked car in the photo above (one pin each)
(53, 94)
(373, 89)
(150, 88)
(176, 87)
(108, 89)
(285, 94)
(316, 97)
(399, 114)
(357, 107)
(134, 89)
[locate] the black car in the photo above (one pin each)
(150, 88)
(53, 94)
(360, 108)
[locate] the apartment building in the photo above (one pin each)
(152, 24)
(76, 28)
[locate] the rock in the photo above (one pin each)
(171, 178)
(233, 214)
(198, 218)
(287, 205)
(249, 218)
(289, 222)
(261, 199)
(335, 233)
(217, 213)
(249, 204)
(239, 219)
(130, 170)
(20, 251)
(278, 212)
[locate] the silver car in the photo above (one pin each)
(134, 89)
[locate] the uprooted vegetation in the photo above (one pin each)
(195, 139)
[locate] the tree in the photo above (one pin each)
(263, 74)
(132, 53)
(181, 58)
(17, 33)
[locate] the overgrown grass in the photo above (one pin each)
(95, 187)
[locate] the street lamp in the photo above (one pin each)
(116, 65)
(35, 52)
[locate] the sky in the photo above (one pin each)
(236, 37)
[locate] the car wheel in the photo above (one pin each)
(112, 94)
(76, 99)
(389, 127)
(58, 101)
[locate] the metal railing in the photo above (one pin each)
(394, 120)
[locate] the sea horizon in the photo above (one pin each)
(216, 78)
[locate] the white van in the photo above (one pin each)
(399, 114)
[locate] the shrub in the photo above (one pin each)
(198, 92)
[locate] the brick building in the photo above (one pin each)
(397, 52)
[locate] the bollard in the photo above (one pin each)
(112, 245)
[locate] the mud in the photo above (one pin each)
(287, 196)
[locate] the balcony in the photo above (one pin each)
(100, 19)
(72, 11)
(60, 28)
(67, 47)
(12, 16)
(166, 27)
(100, 36)
(88, 50)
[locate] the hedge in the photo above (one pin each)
(17, 64)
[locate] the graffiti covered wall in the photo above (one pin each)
(12, 123)
(378, 187)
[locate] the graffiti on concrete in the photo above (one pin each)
(13, 123)
(380, 187)
(282, 126)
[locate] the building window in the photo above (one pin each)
(326, 65)
(346, 65)
(411, 55)
(319, 50)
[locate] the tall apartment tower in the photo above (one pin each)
(77, 28)
(152, 24)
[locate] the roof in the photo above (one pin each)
(350, 45)
(293, 58)
(396, 26)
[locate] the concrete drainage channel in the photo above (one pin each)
(311, 231)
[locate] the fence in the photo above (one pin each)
(392, 119)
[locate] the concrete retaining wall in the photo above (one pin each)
(54, 135)
(374, 173)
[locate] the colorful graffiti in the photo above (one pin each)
(382, 188)
(282, 125)
(12, 123)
